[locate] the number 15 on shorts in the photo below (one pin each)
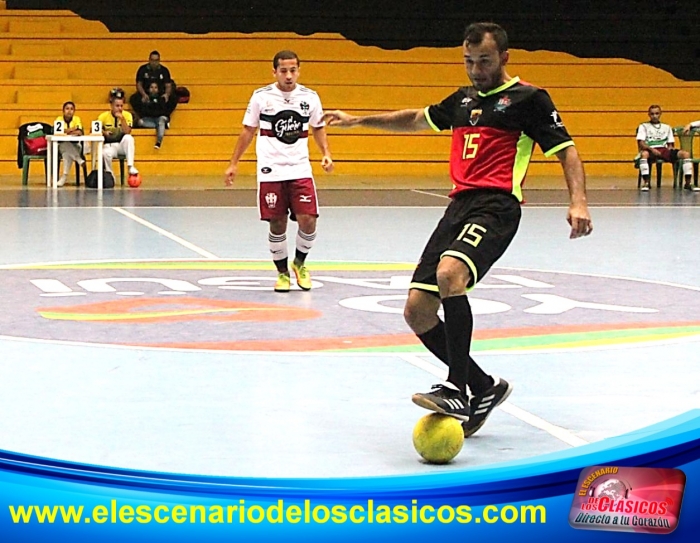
(472, 234)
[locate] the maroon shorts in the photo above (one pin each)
(276, 198)
(667, 155)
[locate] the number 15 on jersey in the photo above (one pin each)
(471, 146)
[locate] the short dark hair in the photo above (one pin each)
(285, 55)
(653, 106)
(68, 103)
(475, 33)
(153, 53)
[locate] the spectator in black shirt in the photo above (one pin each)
(154, 71)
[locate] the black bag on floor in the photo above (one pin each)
(107, 180)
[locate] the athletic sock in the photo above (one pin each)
(458, 328)
(304, 243)
(278, 249)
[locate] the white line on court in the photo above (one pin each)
(169, 235)
(430, 193)
(533, 420)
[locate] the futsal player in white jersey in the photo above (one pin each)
(283, 114)
(655, 142)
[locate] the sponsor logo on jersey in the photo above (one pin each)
(287, 126)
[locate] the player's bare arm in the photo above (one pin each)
(242, 144)
(405, 120)
(690, 126)
(321, 139)
(142, 92)
(578, 216)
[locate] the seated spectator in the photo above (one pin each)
(116, 128)
(655, 141)
(70, 150)
(154, 71)
(690, 126)
(155, 114)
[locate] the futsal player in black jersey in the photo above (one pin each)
(495, 123)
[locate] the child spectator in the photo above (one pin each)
(155, 113)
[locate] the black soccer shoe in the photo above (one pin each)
(445, 400)
(482, 405)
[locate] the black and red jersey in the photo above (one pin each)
(493, 134)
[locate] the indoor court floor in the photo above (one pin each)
(140, 330)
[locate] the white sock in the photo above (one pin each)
(305, 241)
(644, 167)
(278, 246)
(687, 167)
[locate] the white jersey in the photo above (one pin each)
(283, 120)
(655, 135)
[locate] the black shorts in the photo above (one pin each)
(477, 228)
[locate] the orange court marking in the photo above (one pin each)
(158, 310)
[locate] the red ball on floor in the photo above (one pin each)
(134, 180)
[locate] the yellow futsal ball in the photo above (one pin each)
(438, 438)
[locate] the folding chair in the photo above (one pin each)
(659, 164)
(685, 143)
(121, 158)
(36, 132)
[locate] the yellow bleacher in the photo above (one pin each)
(49, 57)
